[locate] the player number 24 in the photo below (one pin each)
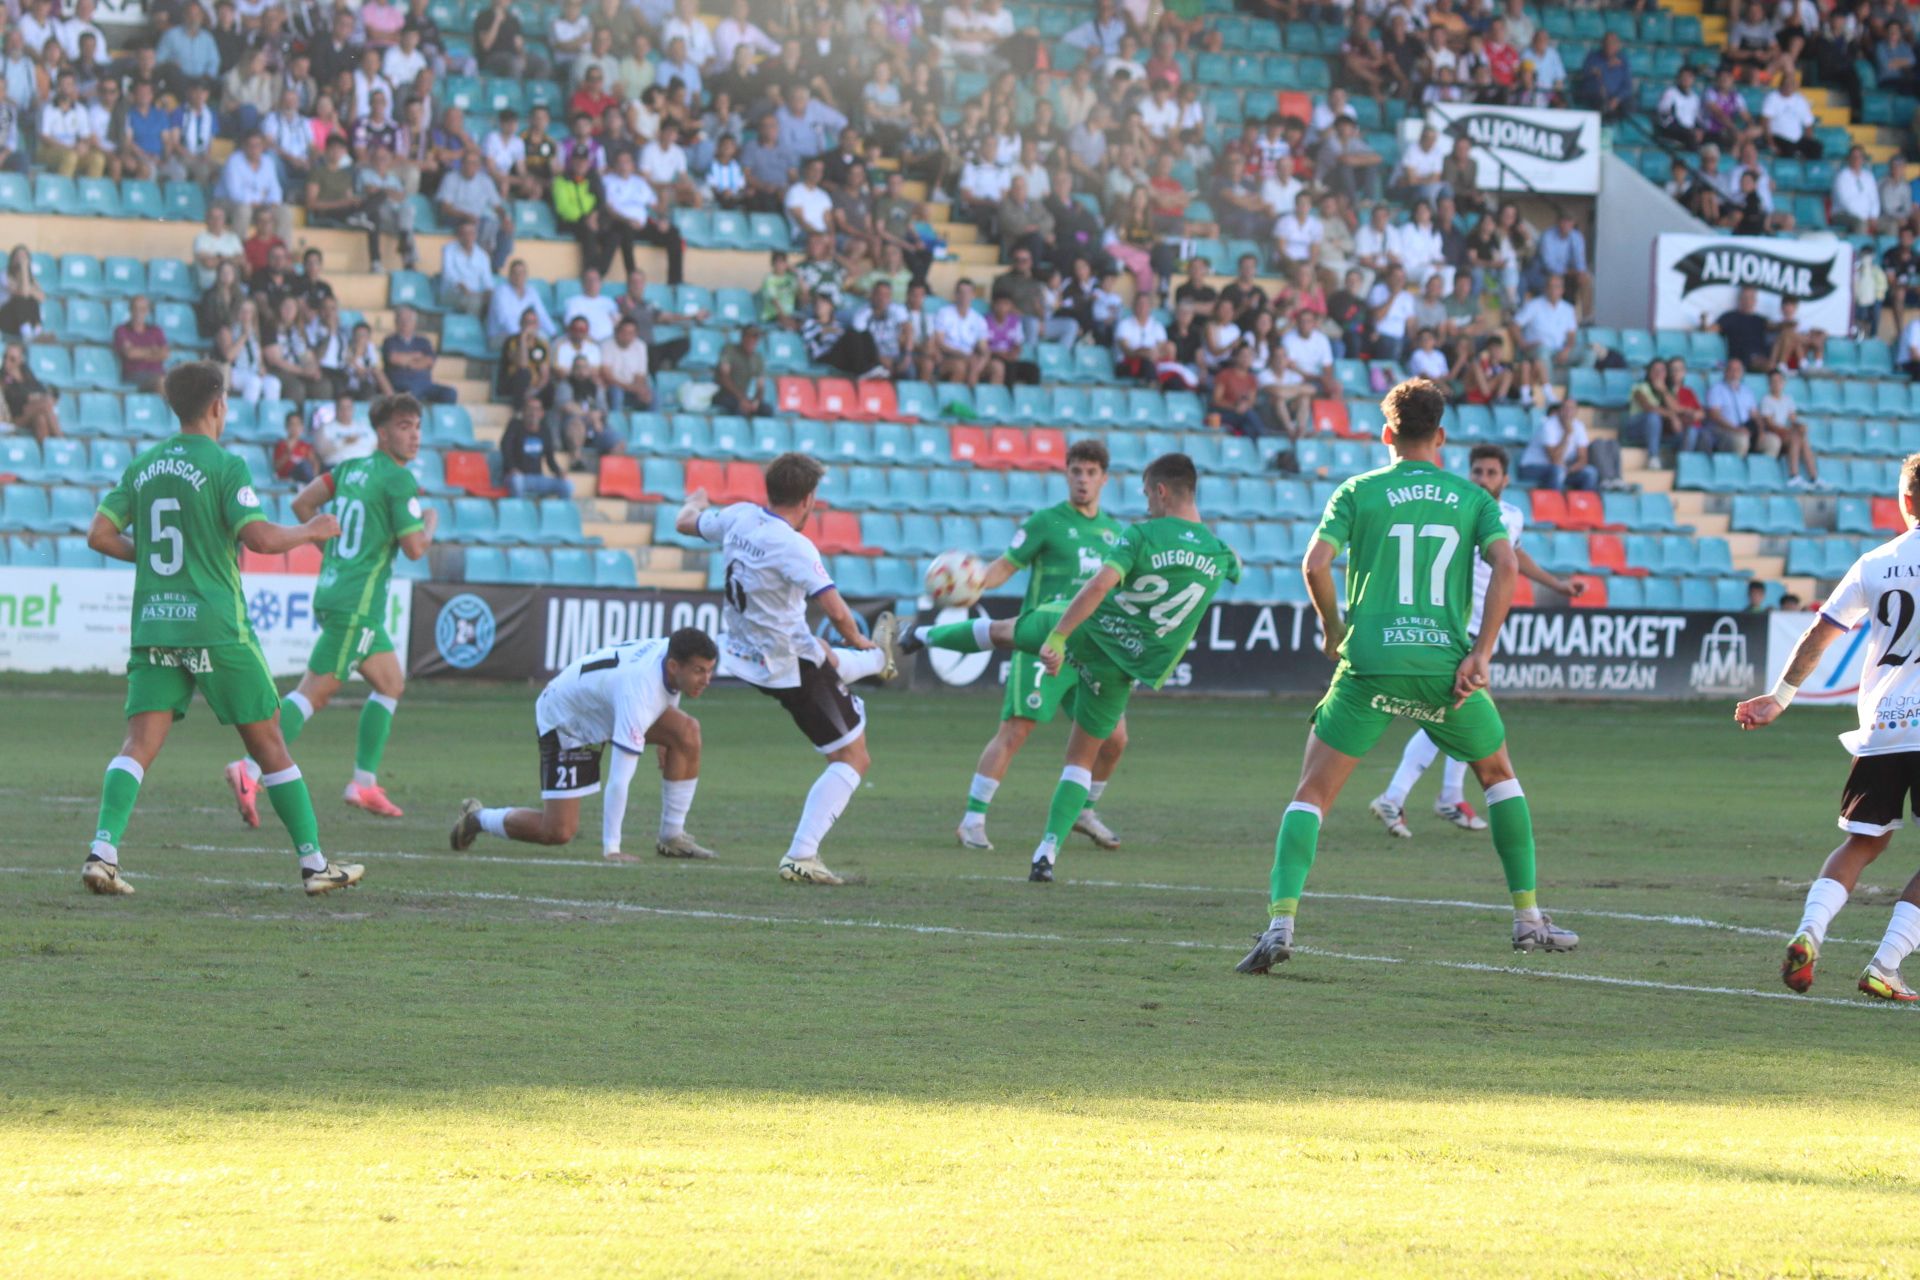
(1165, 614)
(1449, 539)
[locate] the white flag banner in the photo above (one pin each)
(1697, 278)
(1526, 148)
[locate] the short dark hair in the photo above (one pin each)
(1414, 409)
(1174, 470)
(691, 642)
(387, 408)
(192, 388)
(791, 477)
(1090, 450)
(1482, 452)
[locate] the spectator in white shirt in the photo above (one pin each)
(249, 181)
(1421, 166)
(1856, 197)
(1790, 120)
(289, 138)
(960, 341)
(67, 145)
(1140, 344)
(1546, 330)
(635, 213)
(737, 30)
(576, 345)
(1309, 354)
(504, 154)
(685, 25)
(1678, 115)
(1417, 247)
(466, 273)
(1779, 417)
(1392, 305)
(68, 31)
(1159, 113)
(807, 203)
(593, 306)
(663, 162)
(624, 368)
(1556, 457)
(512, 297)
(569, 34)
(404, 62)
(1299, 232)
(1373, 243)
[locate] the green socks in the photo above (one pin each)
(287, 792)
(118, 791)
(376, 722)
(295, 711)
(1293, 852)
(960, 637)
(1069, 798)
(1512, 824)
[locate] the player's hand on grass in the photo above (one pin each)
(1757, 713)
(1470, 678)
(322, 527)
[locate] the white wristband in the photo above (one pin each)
(1782, 692)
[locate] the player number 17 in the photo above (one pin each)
(1449, 539)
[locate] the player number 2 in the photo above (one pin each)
(353, 529)
(1896, 611)
(166, 535)
(1449, 539)
(1165, 614)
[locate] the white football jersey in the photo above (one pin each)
(772, 571)
(1515, 521)
(610, 695)
(1883, 588)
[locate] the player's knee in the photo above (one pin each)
(1116, 742)
(559, 830)
(854, 755)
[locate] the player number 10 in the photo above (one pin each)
(1449, 539)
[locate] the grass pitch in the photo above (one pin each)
(522, 1062)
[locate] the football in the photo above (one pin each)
(956, 578)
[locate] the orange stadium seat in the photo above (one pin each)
(304, 560)
(1886, 515)
(469, 470)
(1550, 507)
(705, 473)
(796, 396)
(879, 401)
(1006, 447)
(742, 482)
(620, 478)
(255, 562)
(1595, 596)
(835, 398)
(1585, 511)
(1046, 449)
(1331, 415)
(969, 444)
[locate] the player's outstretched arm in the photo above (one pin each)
(1084, 602)
(1758, 713)
(1318, 571)
(834, 605)
(998, 573)
(1531, 570)
(107, 538)
(687, 523)
(267, 539)
(1505, 564)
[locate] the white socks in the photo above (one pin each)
(825, 802)
(1903, 935)
(1048, 848)
(361, 778)
(1453, 782)
(299, 700)
(1095, 790)
(858, 664)
(494, 822)
(1413, 762)
(1824, 900)
(982, 788)
(105, 852)
(675, 799)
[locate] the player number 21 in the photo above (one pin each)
(1165, 614)
(1449, 539)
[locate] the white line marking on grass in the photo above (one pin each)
(1149, 886)
(996, 935)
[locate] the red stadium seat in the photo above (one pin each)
(1296, 103)
(878, 401)
(1522, 592)
(796, 395)
(1046, 449)
(704, 473)
(1609, 553)
(304, 560)
(835, 398)
(1331, 415)
(1006, 447)
(838, 534)
(1886, 515)
(1550, 507)
(1595, 596)
(1585, 511)
(744, 482)
(255, 562)
(969, 444)
(620, 478)
(468, 469)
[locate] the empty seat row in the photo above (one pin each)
(50, 193)
(1580, 510)
(563, 566)
(511, 521)
(1700, 594)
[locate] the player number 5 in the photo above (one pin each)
(1449, 539)
(165, 535)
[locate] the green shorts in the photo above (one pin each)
(1032, 694)
(347, 640)
(1096, 690)
(233, 678)
(1358, 709)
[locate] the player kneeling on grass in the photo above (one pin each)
(1487, 465)
(1882, 589)
(1405, 648)
(1141, 610)
(1060, 547)
(627, 695)
(188, 501)
(377, 501)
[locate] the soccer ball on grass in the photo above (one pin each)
(955, 579)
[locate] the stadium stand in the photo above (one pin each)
(1027, 149)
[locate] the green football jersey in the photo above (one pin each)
(377, 503)
(1410, 532)
(1169, 571)
(185, 499)
(1060, 549)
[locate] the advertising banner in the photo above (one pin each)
(79, 620)
(466, 629)
(1698, 278)
(1525, 148)
(1837, 679)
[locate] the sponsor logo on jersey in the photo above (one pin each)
(247, 497)
(464, 632)
(1424, 712)
(1723, 668)
(413, 508)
